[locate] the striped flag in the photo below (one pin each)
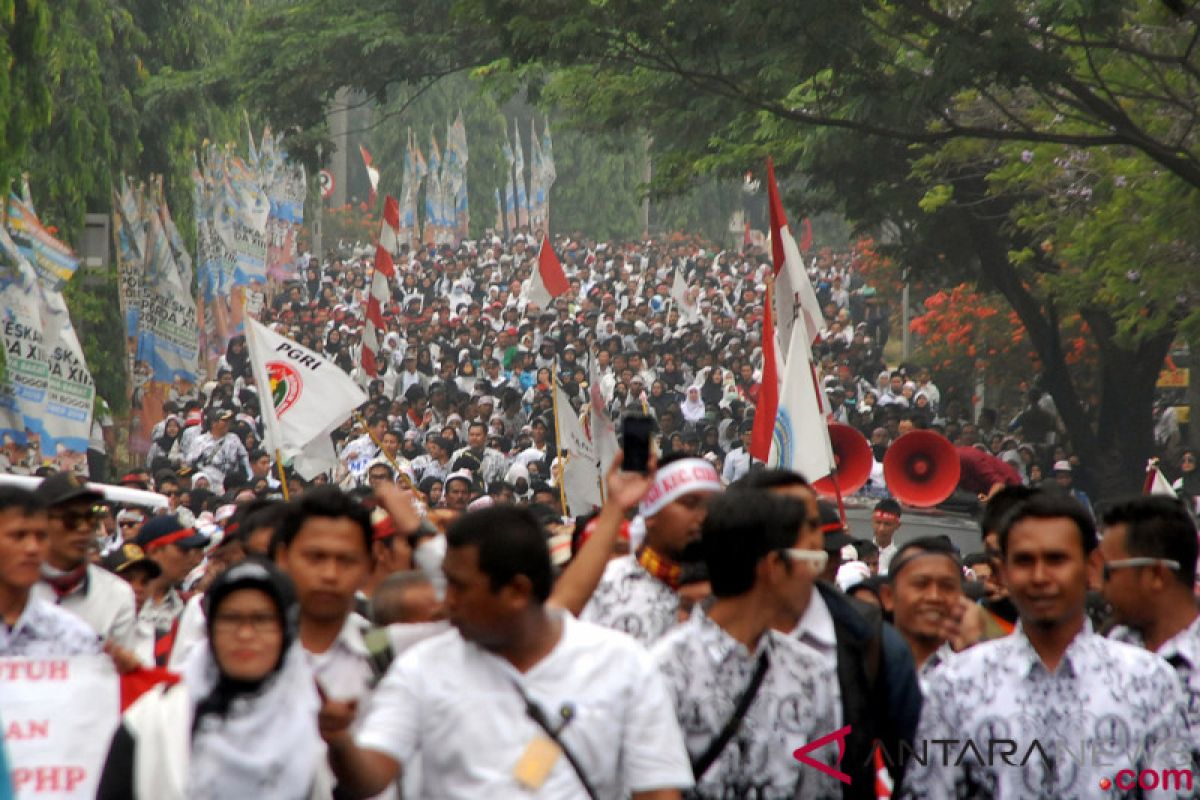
(1156, 482)
(381, 285)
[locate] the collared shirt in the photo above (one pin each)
(737, 464)
(162, 613)
(936, 659)
(46, 630)
(461, 711)
(426, 466)
(631, 600)
(102, 600)
(492, 465)
(344, 670)
(1182, 652)
(219, 456)
(817, 631)
(1106, 708)
(707, 672)
(886, 554)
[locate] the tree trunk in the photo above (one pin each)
(1125, 419)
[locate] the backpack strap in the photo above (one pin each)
(379, 653)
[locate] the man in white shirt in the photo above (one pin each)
(878, 695)
(1149, 549)
(637, 594)
(885, 521)
(737, 461)
(29, 626)
(480, 706)
(69, 580)
(1053, 681)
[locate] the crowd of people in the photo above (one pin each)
(425, 621)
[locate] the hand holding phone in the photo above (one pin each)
(636, 430)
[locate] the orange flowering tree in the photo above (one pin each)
(353, 222)
(966, 334)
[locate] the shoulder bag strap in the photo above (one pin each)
(535, 713)
(706, 759)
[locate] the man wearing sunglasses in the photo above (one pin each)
(69, 580)
(1149, 555)
(878, 695)
(758, 549)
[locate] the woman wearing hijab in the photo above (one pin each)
(164, 447)
(692, 406)
(241, 723)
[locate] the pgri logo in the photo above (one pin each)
(839, 735)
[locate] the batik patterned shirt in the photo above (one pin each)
(997, 724)
(631, 600)
(45, 630)
(708, 671)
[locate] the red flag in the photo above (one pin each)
(768, 389)
(806, 236)
(381, 286)
(372, 174)
(794, 295)
(548, 280)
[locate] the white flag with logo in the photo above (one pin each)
(581, 475)
(801, 439)
(600, 424)
(688, 312)
(302, 395)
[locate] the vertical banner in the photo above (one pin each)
(287, 187)
(519, 177)
(433, 193)
(537, 194)
(462, 212)
(47, 381)
(548, 175)
(510, 196)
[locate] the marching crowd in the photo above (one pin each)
(424, 621)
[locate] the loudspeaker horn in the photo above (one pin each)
(852, 458)
(921, 468)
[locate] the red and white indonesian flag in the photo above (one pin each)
(372, 173)
(794, 294)
(548, 280)
(381, 286)
(302, 395)
(767, 406)
(801, 438)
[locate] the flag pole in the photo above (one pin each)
(562, 463)
(282, 475)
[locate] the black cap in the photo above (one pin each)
(167, 529)
(127, 557)
(62, 488)
(831, 524)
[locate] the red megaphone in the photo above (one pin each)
(921, 468)
(852, 458)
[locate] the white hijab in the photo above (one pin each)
(693, 409)
(267, 745)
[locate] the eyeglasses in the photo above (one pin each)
(75, 519)
(260, 622)
(817, 559)
(1126, 563)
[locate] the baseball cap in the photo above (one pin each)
(167, 529)
(62, 488)
(128, 556)
(1062, 466)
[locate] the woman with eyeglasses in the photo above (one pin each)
(242, 720)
